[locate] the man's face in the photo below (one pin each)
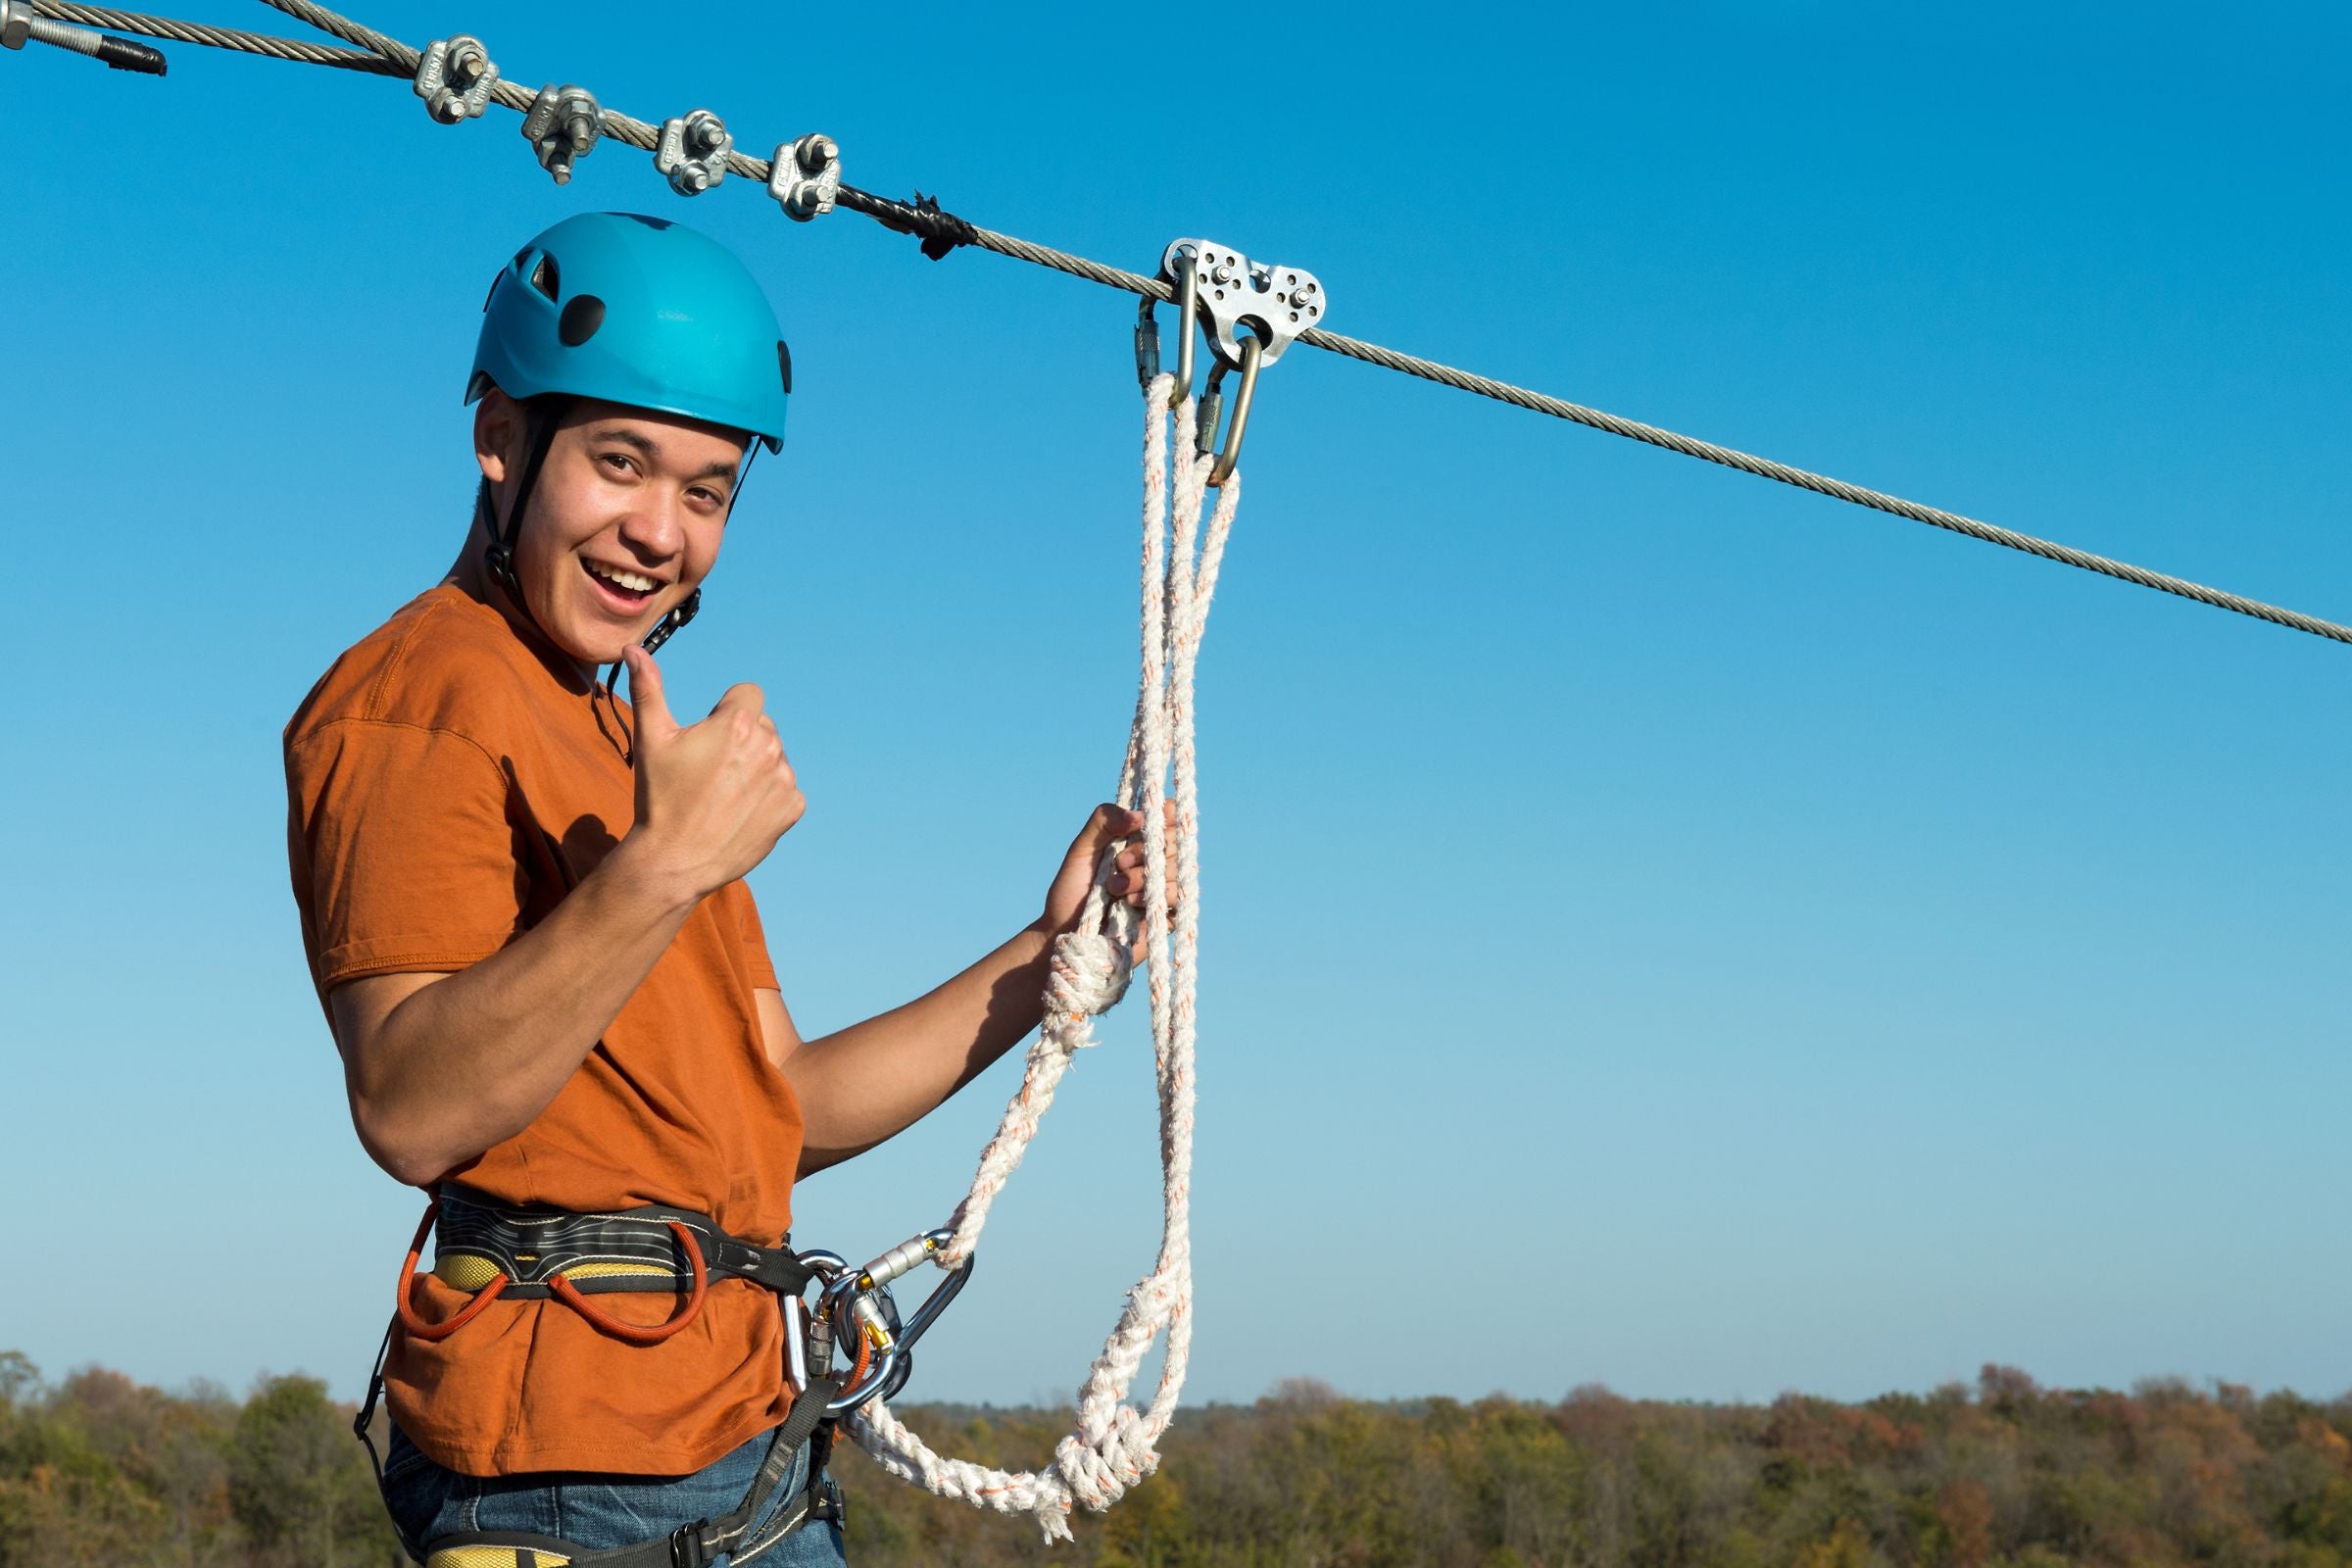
(623, 523)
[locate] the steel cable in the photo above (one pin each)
(941, 231)
(300, 51)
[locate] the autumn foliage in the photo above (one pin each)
(99, 1470)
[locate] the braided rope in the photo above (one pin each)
(1111, 1445)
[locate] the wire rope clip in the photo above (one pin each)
(19, 22)
(561, 126)
(804, 177)
(454, 77)
(694, 152)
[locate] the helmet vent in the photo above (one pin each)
(784, 364)
(580, 319)
(545, 278)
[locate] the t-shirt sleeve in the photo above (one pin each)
(400, 836)
(753, 938)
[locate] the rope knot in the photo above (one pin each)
(1088, 976)
(1098, 1475)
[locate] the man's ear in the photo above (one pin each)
(497, 435)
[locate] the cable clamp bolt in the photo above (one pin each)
(694, 152)
(19, 22)
(805, 176)
(454, 77)
(561, 126)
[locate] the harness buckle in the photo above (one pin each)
(687, 1547)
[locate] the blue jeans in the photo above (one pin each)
(593, 1511)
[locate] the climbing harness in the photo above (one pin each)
(496, 1251)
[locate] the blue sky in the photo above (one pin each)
(1716, 941)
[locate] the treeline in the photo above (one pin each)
(99, 1470)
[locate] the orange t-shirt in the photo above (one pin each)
(448, 784)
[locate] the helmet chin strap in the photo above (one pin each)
(498, 553)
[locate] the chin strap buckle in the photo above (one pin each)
(668, 626)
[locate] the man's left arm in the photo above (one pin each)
(860, 1085)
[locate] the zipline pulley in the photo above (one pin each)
(18, 25)
(1248, 312)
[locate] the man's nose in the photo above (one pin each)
(657, 524)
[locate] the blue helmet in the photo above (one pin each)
(640, 311)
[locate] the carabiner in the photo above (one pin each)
(1253, 354)
(1187, 268)
(848, 1303)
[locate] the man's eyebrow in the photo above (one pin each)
(652, 450)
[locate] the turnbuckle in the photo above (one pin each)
(1250, 313)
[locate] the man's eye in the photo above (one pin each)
(618, 462)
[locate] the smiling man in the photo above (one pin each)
(523, 907)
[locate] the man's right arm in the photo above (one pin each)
(441, 1067)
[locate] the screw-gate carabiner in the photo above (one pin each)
(1253, 355)
(857, 1305)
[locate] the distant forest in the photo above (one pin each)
(97, 1470)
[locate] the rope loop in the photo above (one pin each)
(1112, 1444)
(454, 77)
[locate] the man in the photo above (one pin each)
(524, 913)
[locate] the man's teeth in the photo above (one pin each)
(632, 581)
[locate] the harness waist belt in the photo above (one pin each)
(476, 1239)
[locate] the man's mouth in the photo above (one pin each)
(629, 590)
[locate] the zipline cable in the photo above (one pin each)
(941, 232)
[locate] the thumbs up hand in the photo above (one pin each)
(712, 796)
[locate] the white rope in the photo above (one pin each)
(1111, 1445)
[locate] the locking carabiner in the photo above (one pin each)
(1212, 400)
(858, 1305)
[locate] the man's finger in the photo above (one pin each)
(743, 694)
(645, 696)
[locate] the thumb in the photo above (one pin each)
(654, 722)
